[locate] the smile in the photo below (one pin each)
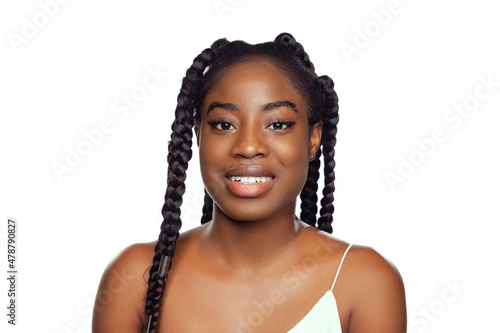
(250, 180)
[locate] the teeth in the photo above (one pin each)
(250, 180)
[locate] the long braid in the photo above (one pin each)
(179, 154)
(308, 195)
(208, 207)
(330, 122)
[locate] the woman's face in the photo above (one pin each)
(255, 142)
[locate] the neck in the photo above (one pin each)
(251, 245)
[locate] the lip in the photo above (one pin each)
(249, 190)
(249, 171)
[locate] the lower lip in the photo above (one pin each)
(248, 190)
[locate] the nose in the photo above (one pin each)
(250, 143)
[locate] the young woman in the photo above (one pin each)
(262, 120)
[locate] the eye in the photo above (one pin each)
(221, 125)
(281, 125)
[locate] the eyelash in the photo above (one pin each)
(215, 123)
(288, 124)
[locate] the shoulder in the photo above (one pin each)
(371, 267)
(376, 289)
(120, 298)
(131, 264)
(362, 264)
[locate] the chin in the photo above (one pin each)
(243, 215)
(252, 211)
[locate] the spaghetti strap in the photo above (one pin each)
(340, 265)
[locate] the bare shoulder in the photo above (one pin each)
(377, 292)
(371, 267)
(362, 264)
(119, 303)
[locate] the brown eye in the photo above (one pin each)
(221, 125)
(281, 125)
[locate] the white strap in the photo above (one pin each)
(341, 262)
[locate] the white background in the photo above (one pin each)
(410, 69)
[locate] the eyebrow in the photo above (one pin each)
(266, 107)
(224, 106)
(278, 104)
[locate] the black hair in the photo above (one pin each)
(285, 53)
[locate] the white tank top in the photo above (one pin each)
(324, 315)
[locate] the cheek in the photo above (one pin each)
(208, 173)
(213, 156)
(293, 156)
(209, 155)
(292, 150)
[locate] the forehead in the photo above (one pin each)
(257, 80)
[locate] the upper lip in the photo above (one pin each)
(249, 171)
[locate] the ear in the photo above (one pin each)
(315, 138)
(197, 133)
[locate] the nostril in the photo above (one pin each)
(250, 147)
(250, 151)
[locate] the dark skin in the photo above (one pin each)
(254, 122)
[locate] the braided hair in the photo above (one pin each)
(287, 54)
